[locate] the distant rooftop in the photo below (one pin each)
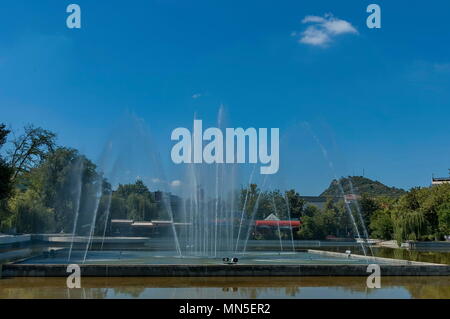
(441, 179)
(147, 224)
(314, 198)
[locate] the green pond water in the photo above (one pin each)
(238, 287)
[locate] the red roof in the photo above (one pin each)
(292, 223)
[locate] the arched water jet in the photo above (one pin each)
(243, 208)
(255, 209)
(361, 220)
(277, 214)
(289, 217)
(78, 172)
(331, 166)
(94, 218)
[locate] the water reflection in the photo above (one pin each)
(237, 287)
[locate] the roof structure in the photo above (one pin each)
(441, 179)
(272, 217)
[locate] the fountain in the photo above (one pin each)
(210, 232)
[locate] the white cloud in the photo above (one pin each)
(175, 183)
(324, 29)
(196, 96)
(314, 36)
(315, 19)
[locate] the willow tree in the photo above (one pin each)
(408, 218)
(408, 225)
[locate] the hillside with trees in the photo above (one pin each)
(361, 185)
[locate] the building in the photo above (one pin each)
(272, 223)
(350, 198)
(440, 180)
(154, 228)
(318, 201)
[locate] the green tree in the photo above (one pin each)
(30, 215)
(249, 199)
(318, 224)
(134, 201)
(381, 225)
(67, 182)
(408, 219)
(137, 188)
(309, 229)
(434, 202)
(6, 185)
(368, 206)
(420, 214)
(443, 212)
(6, 172)
(30, 149)
(296, 203)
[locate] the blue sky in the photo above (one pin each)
(376, 100)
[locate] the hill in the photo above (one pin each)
(361, 185)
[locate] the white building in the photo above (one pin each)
(440, 180)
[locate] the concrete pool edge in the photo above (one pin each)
(389, 267)
(374, 259)
(42, 270)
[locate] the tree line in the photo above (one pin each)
(421, 214)
(48, 188)
(45, 187)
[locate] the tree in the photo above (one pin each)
(296, 203)
(118, 208)
(361, 185)
(444, 218)
(368, 206)
(381, 225)
(138, 188)
(309, 229)
(6, 185)
(407, 225)
(68, 184)
(30, 215)
(420, 214)
(310, 211)
(249, 199)
(65, 181)
(434, 202)
(6, 171)
(317, 224)
(3, 134)
(139, 207)
(30, 149)
(408, 218)
(134, 201)
(273, 203)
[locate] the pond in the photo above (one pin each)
(229, 287)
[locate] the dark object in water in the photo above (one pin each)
(230, 261)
